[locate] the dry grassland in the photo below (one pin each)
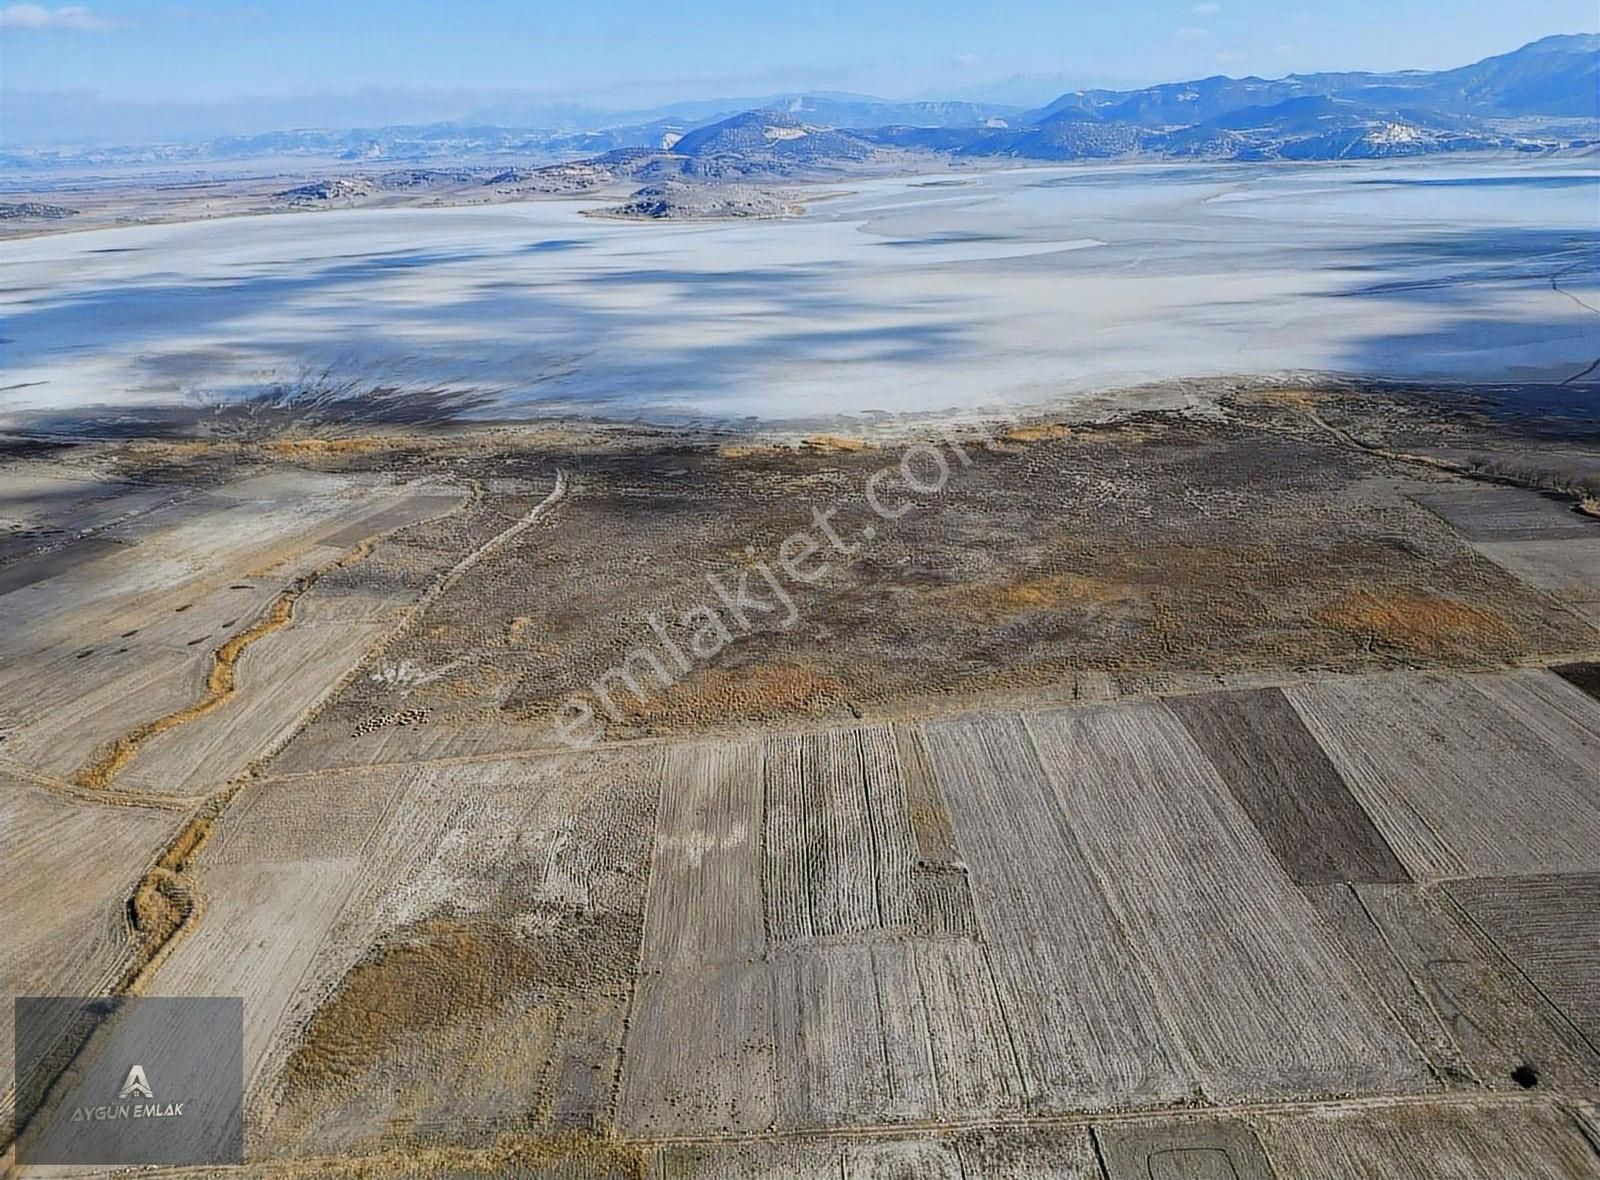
(320, 448)
(711, 696)
(1419, 624)
(1134, 555)
(834, 444)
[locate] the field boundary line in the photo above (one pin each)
(1045, 699)
(107, 797)
(894, 1130)
(916, 1130)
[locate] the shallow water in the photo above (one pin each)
(1027, 286)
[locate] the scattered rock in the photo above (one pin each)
(320, 192)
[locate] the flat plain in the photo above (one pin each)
(1184, 795)
(1029, 287)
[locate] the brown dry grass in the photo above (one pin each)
(158, 907)
(1157, 606)
(165, 906)
(221, 680)
(835, 444)
(1043, 432)
(749, 450)
(443, 972)
(1002, 600)
(186, 845)
(762, 690)
(318, 448)
(438, 972)
(180, 450)
(1421, 623)
(221, 685)
(162, 900)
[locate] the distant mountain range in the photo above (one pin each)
(1542, 97)
(1555, 76)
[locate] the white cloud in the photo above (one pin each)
(37, 16)
(1207, 9)
(1192, 34)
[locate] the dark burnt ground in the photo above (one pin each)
(1536, 436)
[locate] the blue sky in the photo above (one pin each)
(415, 59)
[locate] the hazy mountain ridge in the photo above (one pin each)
(467, 141)
(1558, 75)
(1544, 96)
(1322, 116)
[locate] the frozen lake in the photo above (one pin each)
(1031, 286)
